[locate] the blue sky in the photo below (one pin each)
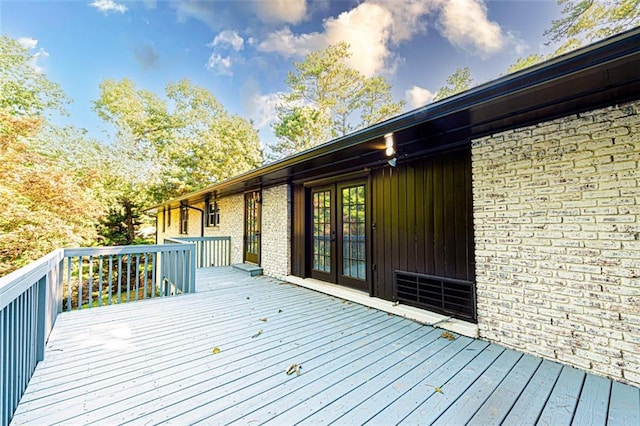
(242, 50)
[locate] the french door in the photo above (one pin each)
(252, 220)
(339, 218)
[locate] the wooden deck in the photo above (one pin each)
(152, 362)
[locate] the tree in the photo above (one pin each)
(23, 91)
(43, 204)
(183, 148)
(167, 147)
(457, 82)
(583, 22)
(325, 98)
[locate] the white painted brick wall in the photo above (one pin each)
(276, 234)
(557, 229)
(231, 224)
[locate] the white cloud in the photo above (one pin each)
(219, 64)
(150, 4)
(288, 44)
(374, 27)
(106, 6)
(366, 28)
(466, 25)
(36, 59)
(228, 38)
(27, 42)
(263, 109)
(282, 11)
(418, 96)
(407, 16)
(203, 11)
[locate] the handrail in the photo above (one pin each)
(29, 306)
(32, 297)
(210, 251)
(124, 273)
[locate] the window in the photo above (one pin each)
(213, 213)
(184, 220)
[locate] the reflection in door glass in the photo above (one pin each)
(353, 232)
(251, 215)
(322, 231)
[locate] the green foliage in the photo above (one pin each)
(457, 82)
(583, 22)
(325, 98)
(179, 149)
(166, 147)
(45, 202)
(23, 91)
(43, 205)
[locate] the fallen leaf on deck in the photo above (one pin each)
(263, 319)
(448, 335)
(216, 350)
(280, 311)
(291, 369)
(439, 390)
(248, 298)
(257, 334)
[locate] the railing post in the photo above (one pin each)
(192, 271)
(41, 316)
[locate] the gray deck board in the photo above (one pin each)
(151, 362)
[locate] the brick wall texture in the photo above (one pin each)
(231, 225)
(557, 231)
(276, 234)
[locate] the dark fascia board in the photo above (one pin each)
(566, 66)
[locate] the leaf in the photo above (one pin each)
(280, 311)
(257, 334)
(448, 335)
(438, 389)
(292, 368)
(216, 350)
(263, 319)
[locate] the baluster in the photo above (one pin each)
(137, 260)
(68, 284)
(100, 259)
(110, 290)
(90, 290)
(80, 282)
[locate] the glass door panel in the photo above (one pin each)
(323, 234)
(354, 259)
(252, 227)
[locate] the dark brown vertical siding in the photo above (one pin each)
(298, 242)
(423, 220)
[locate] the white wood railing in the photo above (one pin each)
(210, 251)
(67, 279)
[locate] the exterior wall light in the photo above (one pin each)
(388, 143)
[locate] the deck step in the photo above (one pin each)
(248, 268)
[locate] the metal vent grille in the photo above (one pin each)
(444, 295)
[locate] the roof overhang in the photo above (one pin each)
(595, 76)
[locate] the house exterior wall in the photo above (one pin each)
(231, 224)
(557, 233)
(276, 231)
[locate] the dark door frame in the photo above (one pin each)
(252, 236)
(315, 273)
(334, 185)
